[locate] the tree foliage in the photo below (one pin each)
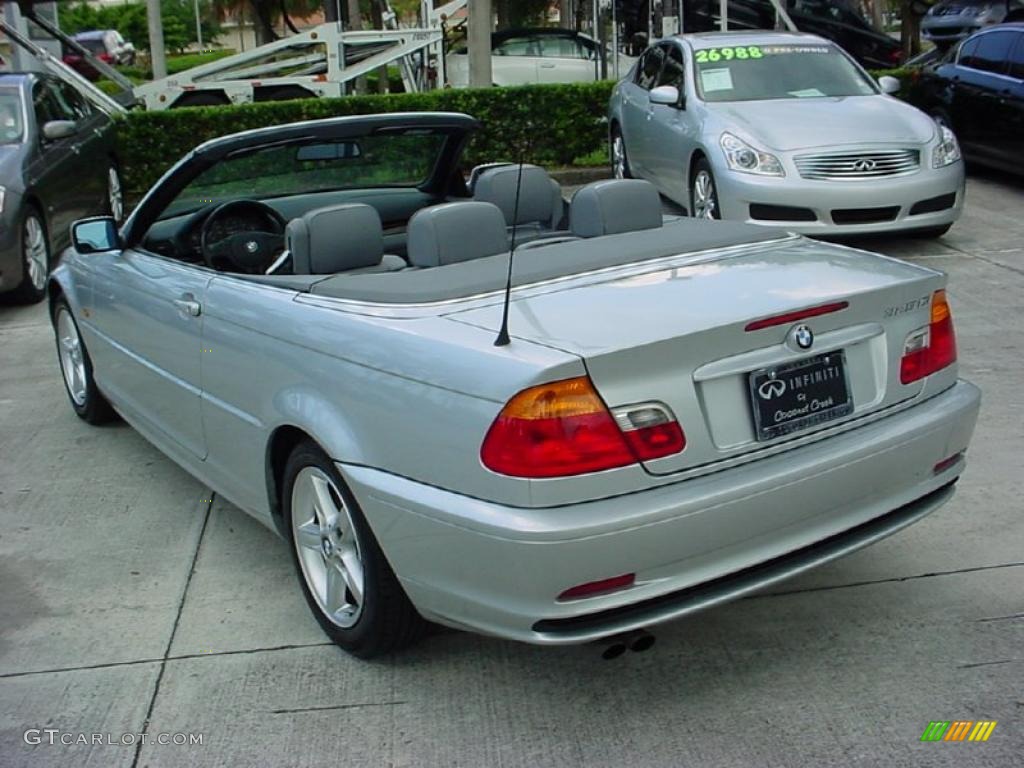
(130, 20)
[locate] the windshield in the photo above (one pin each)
(296, 168)
(758, 72)
(12, 128)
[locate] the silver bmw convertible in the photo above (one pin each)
(656, 415)
(783, 129)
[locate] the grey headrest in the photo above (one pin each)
(613, 206)
(453, 232)
(335, 239)
(536, 194)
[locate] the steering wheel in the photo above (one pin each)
(250, 252)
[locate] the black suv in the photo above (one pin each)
(978, 91)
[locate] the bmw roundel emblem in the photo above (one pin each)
(803, 336)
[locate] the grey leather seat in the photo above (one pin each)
(541, 207)
(454, 232)
(339, 238)
(613, 206)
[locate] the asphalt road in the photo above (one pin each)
(133, 602)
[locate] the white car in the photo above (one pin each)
(524, 56)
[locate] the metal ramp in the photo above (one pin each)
(322, 61)
(59, 69)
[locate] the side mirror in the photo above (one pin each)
(667, 95)
(58, 129)
(889, 84)
(96, 235)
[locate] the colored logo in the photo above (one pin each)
(958, 730)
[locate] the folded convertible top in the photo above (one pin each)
(534, 265)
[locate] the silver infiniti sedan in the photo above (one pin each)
(306, 317)
(783, 129)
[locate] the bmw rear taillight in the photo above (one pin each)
(564, 428)
(931, 348)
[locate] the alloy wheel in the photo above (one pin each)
(704, 205)
(328, 548)
(36, 256)
(618, 157)
(115, 195)
(72, 359)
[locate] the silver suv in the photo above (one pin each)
(952, 20)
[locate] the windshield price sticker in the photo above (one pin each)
(770, 50)
(745, 52)
(728, 54)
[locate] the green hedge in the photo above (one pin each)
(545, 124)
(552, 124)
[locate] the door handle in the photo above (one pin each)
(547, 66)
(188, 305)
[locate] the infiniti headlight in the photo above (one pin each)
(947, 151)
(742, 157)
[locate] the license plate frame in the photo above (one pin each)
(811, 391)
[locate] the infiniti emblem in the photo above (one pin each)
(864, 164)
(803, 336)
(771, 389)
(252, 246)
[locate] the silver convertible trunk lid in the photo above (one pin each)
(703, 338)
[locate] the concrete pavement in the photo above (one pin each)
(132, 601)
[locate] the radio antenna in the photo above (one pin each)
(503, 338)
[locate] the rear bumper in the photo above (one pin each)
(692, 544)
(894, 198)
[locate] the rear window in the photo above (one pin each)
(757, 72)
(384, 160)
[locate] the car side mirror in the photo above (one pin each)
(889, 84)
(58, 129)
(96, 235)
(667, 95)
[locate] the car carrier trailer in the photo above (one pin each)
(321, 61)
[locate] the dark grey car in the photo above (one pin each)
(57, 164)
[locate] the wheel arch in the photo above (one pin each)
(331, 434)
(283, 440)
(696, 155)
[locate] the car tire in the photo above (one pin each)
(931, 233)
(617, 153)
(115, 194)
(345, 578)
(76, 368)
(704, 192)
(34, 246)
